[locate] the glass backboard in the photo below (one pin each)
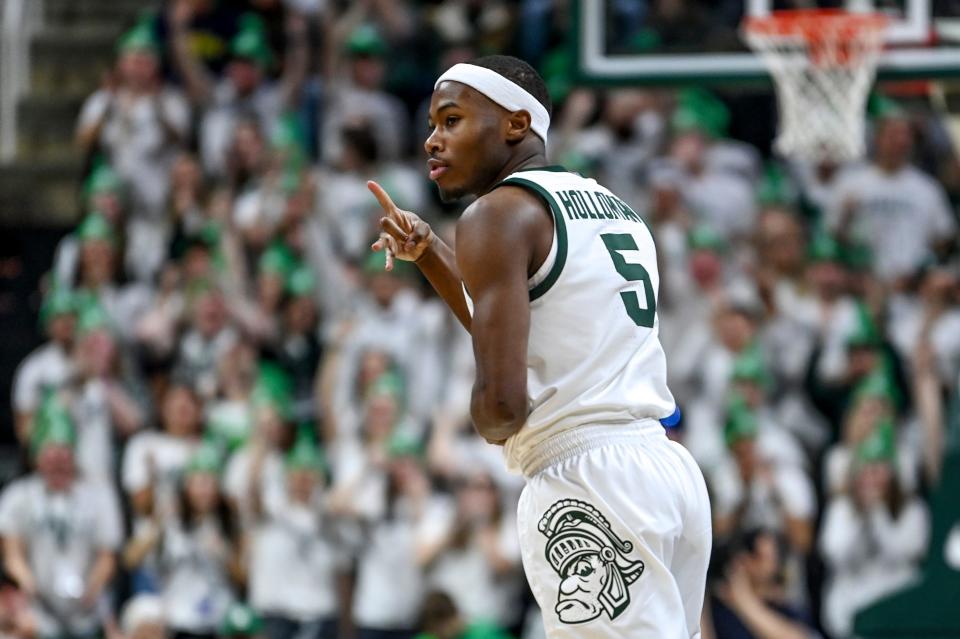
(684, 41)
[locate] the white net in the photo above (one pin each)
(823, 66)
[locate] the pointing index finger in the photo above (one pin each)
(385, 202)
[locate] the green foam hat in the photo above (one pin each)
(91, 317)
(251, 42)
(824, 248)
(749, 366)
(103, 179)
(96, 227)
(880, 107)
(57, 302)
(389, 383)
(277, 259)
(376, 264)
(878, 446)
(289, 134)
(305, 454)
(403, 444)
(52, 424)
(207, 458)
(301, 282)
(741, 424)
(700, 110)
(365, 40)
(229, 429)
(775, 186)
(706, 238)
(140, 38)
(240, 621)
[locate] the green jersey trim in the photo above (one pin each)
(561, 230)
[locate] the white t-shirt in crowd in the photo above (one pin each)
(905, 322)
(869, 555)
(478, 592)
(46, 368)
(898, 215)
(723, 201)
(789, 492)
(91, 414)
(63, 532)
(195, 583)
(390, 585)
(293, 564)
(136, 140)
(217, 126)
(236, 480)
(158, 453)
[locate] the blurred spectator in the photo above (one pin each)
(717, 185)
(930, 310)
(254, 472)
(99, 396)
(356, 90)
(211, 25)
(440, 619)
(480, 564)
(150, 477)
(143, 618)
(343, 199)
(60, 531)
(620, 146)
(138, 122)
(197, 550)
(16, 619)
(873, 536)
(293, 562)
(246, 89)
(48, 367)
(749, 601)
(208, 337)
(390, 583)
(758, 490)
(899, 212)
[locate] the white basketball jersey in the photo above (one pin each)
(594, 355)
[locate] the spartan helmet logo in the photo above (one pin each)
(591, 561)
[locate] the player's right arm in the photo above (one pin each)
(406, 237)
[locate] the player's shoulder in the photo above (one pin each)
(508, 206)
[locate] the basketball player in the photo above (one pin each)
(556, 279)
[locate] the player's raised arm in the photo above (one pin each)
(405, 236)
(495, 246)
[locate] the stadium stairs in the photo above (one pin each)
(69, 56)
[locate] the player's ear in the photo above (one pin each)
(518, 125)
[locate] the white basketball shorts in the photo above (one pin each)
(615, 533)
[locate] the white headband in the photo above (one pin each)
(510, 96)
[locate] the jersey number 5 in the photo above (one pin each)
(616, 242)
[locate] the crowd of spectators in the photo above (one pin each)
(241, 425)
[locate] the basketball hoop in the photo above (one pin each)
(823, 62)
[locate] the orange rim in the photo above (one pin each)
(832, 31)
